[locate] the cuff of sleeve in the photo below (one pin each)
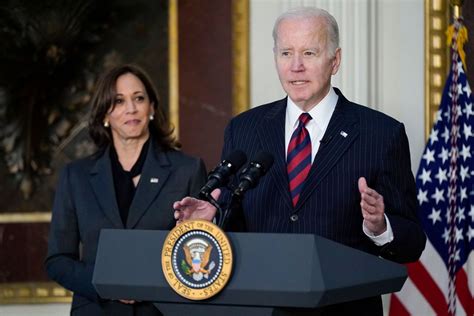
(383, 238)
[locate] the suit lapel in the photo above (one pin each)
(341, 132)
(101, 179)
(153, 177)
(272, 137)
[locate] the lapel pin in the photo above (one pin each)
(343, 134)
(153, 180)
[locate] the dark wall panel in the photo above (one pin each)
(205, 76)
(23, 248)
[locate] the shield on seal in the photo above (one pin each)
(196, 264)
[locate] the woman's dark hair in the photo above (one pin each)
(104, 97)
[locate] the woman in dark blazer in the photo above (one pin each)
(130, 182)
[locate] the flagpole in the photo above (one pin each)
(457, 6)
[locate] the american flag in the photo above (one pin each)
(442, 281)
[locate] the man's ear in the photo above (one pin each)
(336, 62)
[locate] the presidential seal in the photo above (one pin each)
(197, 259)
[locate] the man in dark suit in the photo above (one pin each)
(341, 170)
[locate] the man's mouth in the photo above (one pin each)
(298, 82)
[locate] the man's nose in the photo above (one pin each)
(297, 63)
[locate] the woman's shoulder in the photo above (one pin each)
(181, 158)
(84, 164)
(173, 156)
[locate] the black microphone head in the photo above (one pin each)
(237, 159)
(265, 159)
(251, 175)
(219, 176)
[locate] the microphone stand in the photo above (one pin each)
(235, 202)
(214, 203)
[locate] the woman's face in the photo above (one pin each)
(130, 114)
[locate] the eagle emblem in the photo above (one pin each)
(197, 253)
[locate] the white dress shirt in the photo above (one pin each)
(321, 115)
(316, 127)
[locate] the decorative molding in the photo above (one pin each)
(25, 217)
(173, 65)
(33, 292)
(240, 56)
(436, 57)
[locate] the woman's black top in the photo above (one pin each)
(123, 180)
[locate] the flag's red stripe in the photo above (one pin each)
(425, 284)
(464, 294)
(396, 307)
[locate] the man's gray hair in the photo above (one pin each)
(332, 29)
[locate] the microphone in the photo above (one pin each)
(253, 172)
(219, 176)
(248, 179)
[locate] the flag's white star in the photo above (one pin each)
(460, 67)
(444, 154)
(458, 234)
(435, 215)
(460, 216)
(446, 235)
(463, 193)
(467, 89)
(447, 113)
(445, 134)
(470, 233)
(437, 116)
(438, 195)
(459, 89)
(434, 136)
(464, 173)
(429, 156)
(468, 111)
(457, 256)
(425, 176)
(441, 175)
(422, 197)
(465, 152)
(467, 131)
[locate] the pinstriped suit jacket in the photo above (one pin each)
(375, 147)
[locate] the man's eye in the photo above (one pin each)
(309, 53)
(285, 54)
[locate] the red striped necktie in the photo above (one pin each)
(299, 157)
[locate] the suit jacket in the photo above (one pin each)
(85, 203)
(358, 142)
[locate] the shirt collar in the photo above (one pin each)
(321, 112)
